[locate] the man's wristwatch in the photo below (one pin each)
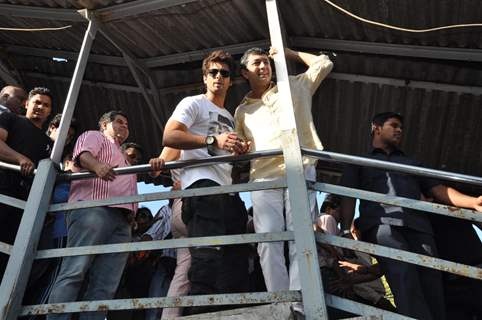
(211, 144)
(210, 141)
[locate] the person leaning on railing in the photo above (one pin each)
(98, 152)
(417, 291)
(22, 142)
(200, 126)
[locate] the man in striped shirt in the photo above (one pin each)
(98, 152)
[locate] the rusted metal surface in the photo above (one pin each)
(401, 255)
(399, 201)
(275, 184)
(167, 302)
(362, 309)
(164, 244)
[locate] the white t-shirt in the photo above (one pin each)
(204, 118)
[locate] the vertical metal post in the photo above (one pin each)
(21, 258)
(311, 285)
(23, 252)
(74, 89)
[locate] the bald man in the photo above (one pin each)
(12, 99)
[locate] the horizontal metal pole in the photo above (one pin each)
(40, 13)
(401, 255)
(165, 244)
(134, 8)
(419, 171)
(11, 201)
(166, 302)
(398, 201)
(362, 309)
(9, 166)
(178, 164)
(391, 49)
(5, 248)
(243, 187)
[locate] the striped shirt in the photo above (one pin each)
(105, 150)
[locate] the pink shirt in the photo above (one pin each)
(106, 150)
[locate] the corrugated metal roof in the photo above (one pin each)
(442, 128)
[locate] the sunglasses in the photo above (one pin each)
(224, 73)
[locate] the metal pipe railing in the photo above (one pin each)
(144, 168)
(419, 171)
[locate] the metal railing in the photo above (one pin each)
(23, 252)
(251, 298)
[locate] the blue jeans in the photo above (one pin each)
(89, 227)
(161, 279)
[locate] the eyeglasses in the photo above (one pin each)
(224, 73)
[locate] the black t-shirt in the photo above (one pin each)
(392, 183)
(25, 138)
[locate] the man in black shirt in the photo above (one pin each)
(22, 142)
(418, 291)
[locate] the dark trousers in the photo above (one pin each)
(220, 269)
(418, 291)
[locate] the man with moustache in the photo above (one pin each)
(417, 290)
(201, 126)
(98, 152)
(258, 120)
(22, 142)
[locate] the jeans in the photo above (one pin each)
(88, 227)
(160, 282)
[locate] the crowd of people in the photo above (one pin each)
(200, 127)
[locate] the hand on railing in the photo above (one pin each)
(478, 204)
(26, 165)
(157, 164)
(105, 171)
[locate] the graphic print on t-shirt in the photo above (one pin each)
(218, 124)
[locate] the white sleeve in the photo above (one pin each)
(186, 112)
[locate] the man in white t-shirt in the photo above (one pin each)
(201, 127)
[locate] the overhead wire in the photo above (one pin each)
(380, 24)
(34, 29)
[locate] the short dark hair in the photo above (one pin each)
(55, 122)
(42, 91)
(133, 145)
(110, 116)
(331, 201)
(144, 212)
(243, 62)
(219, 56)
(380, 118)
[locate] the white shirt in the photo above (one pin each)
(204, 118)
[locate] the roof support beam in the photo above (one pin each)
(135, 66)
(428, 52)
(138, 7)
(40, 13)
(429, 86)
(326, 44)
(69, 55)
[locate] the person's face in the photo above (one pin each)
(133, 156)
(39, 108)
(14, 99)
(54, 133)
(118, 129)
(217, 78)
(390, 133)
(258, 70)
